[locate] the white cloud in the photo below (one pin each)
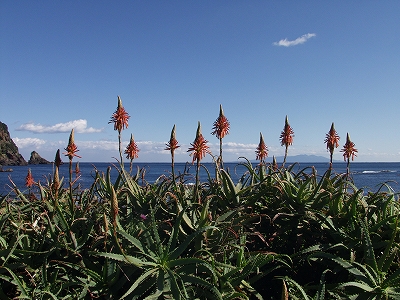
(28, 142)
(97, 145)
(80, 126)
(299, 40)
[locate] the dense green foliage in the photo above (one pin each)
(275, 234)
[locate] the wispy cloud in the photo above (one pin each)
(80, 126)
(299, 40)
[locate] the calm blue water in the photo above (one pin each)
(369, 175)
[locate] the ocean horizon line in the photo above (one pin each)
(228, 162)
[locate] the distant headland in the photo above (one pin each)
(9, 153)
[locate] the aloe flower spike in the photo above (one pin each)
(198, 150)
(220, 130)
(172, 145)
(262, 150)
(332, 142)
(349, 151)
(120, 119)
(131, 151)
(286, 138)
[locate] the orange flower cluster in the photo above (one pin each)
(287, 134)
(120, 117)
(221, 125)
(29, 179)
(262, 149)
(199, 147)
(332, 139)
(71, 148)
(172, 145)
(348, 149)
(132, 149)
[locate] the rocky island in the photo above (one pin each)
(36, 159)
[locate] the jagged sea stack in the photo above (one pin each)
(36, 159)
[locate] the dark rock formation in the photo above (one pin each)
(5, 170)
(36, 159)
(9, 154)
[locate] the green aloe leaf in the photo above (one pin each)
(229, 187)
(369, 254)
(21, 286)
(345, 265)
(234, 296)
(50, 294)
(134, 241)
(297, 286)
(182, 247)
(125, 258)
(160, 286)
(200, 281)
(140, 281)
(358, 285)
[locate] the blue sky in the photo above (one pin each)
(63, 64)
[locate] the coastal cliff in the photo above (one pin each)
(9, 154)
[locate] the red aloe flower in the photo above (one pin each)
(262, 149)
(220, 130)
(332, 141)
(199, 147)
(287, 134)
(172, 145)
(286, 137)
(29, 179)
(71, 148)
(221, 125)
(348, 149)
(120, 117)
(132, 149)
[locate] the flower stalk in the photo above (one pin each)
(349, 151)
(262, 150)
(171, 146)
(71, 151)
(56, 176)
(221, 128)
(131, 152)
(332, 142)
(286, 138)
(198, 151)
(29, 182)
(120, 120)
(274, 163)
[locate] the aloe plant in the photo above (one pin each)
(160, 268)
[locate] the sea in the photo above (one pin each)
(367, 175)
